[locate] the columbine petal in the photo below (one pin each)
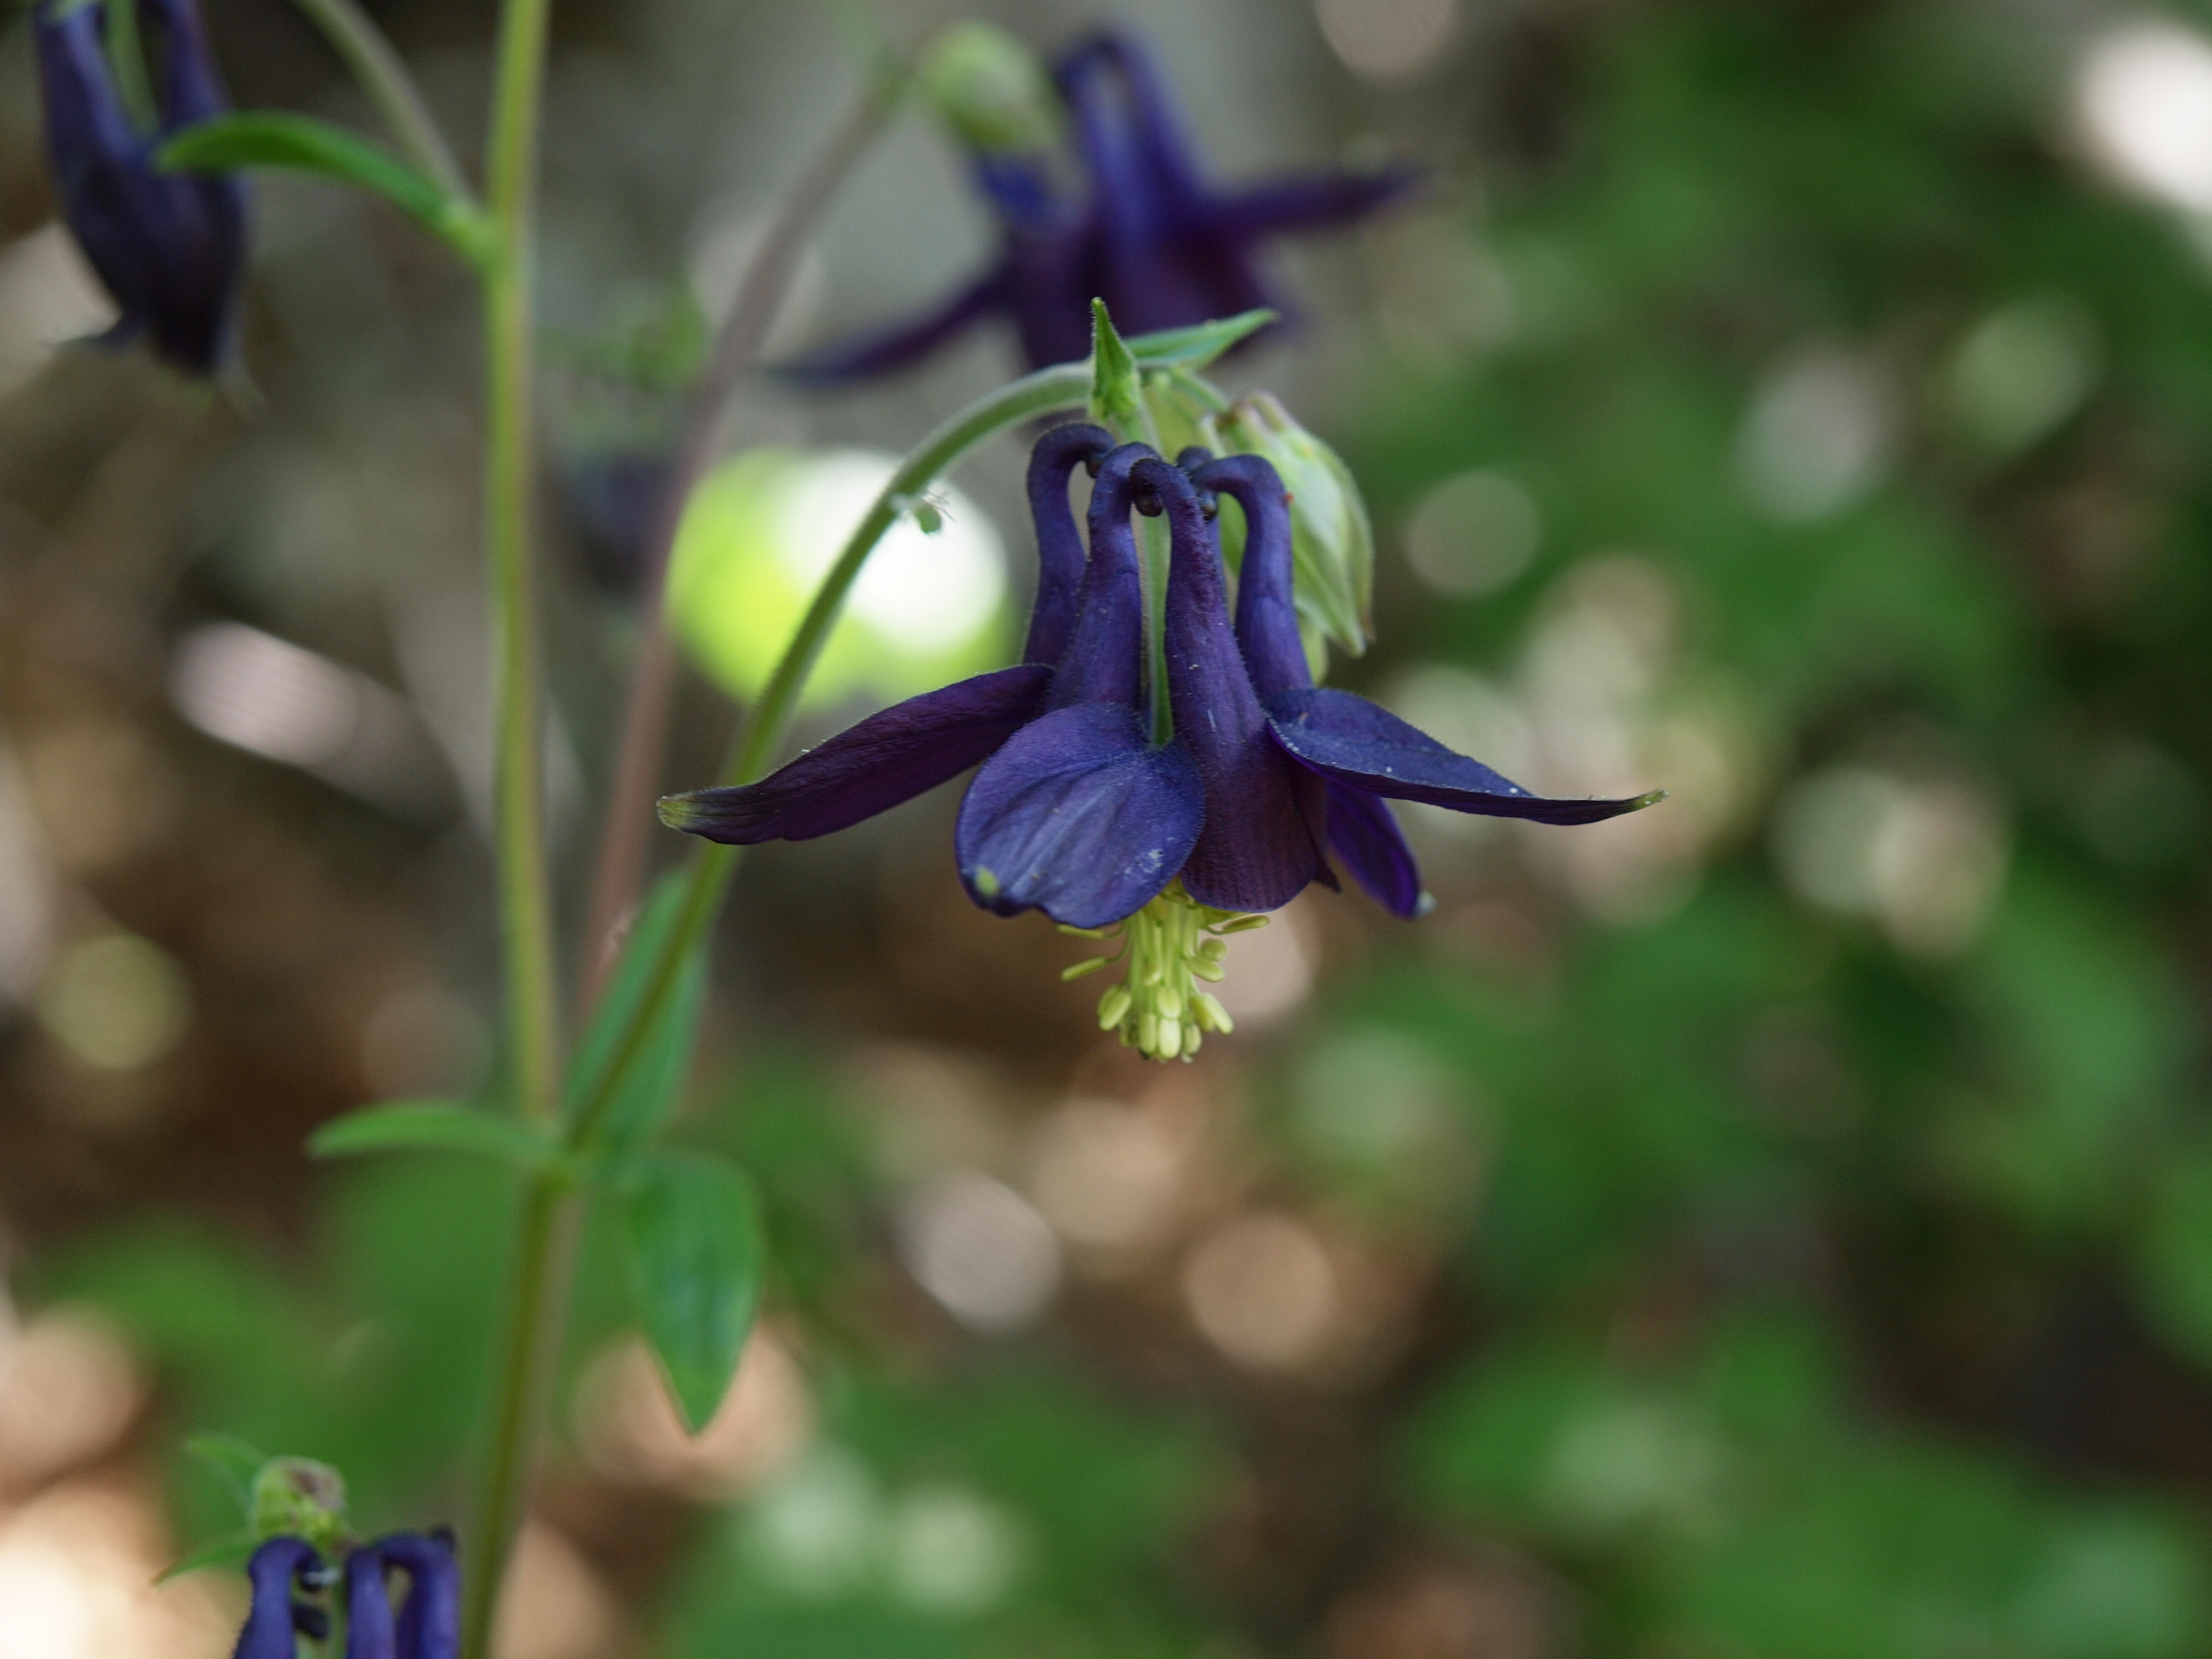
(1078, 816)
(370, 1631)
(1365, 836)
(269, 1629)
(1266, 609)
(1104, 659)
(1261, 845)
(429, 1622)
(888, 758)
(1059, 547)
(1312, 201)
(1350, 740)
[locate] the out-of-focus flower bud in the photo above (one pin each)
(299, 1498)
(1332, 541)
(995, 93)
(169, 246)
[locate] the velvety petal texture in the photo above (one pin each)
(1351, 741)
(170, 248)
(888, 758)
(272, 1572)
(1104, 661)
(1148, 235)
(1261, 842)
(1078, 816)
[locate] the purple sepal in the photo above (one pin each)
(371, 1632)
(429, 1621)
(1266, 608)
(1350, 740)
(1078, 816)
(888, 758)
(1264, 815)
(1315, 201)
(888, 349)
(1060, 546)
(272, 1570)
(1365, 837)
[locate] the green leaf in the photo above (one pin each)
(235, 1461)
(1116, 396)
(432, 1125)
(653, 1081)
(268, 138)
(1193, 347)
(695, 1259)
(230, 1550)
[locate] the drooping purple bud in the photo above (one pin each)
(169, 247)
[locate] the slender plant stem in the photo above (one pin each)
(385, 78)
(1064, 386)
(539, 1288)
(616, 882)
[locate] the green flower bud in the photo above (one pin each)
(299, 1498)
(1332, 542)
(992, 90)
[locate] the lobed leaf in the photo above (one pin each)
(432, 1125)
(653, 1075)
(697, 1254)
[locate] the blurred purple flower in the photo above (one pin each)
(170, 247)
(1162, 248)
(428, 1625)
(277, 1568)
(1074, 811)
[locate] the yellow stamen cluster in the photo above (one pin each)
(1170, 944)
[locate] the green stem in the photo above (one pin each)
(385, 78)
(1064, 386)
(539, 1291)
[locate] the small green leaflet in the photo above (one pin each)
(270, 138)
(653, 1082)
(232, 1459)
(1117, 399)
(1193, 347)
(696, 1261)
(230, 1550)
(432, 1125)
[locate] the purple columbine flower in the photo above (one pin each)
(1161, 247)
(1074, 811)
(170, 247)
(276, 1571)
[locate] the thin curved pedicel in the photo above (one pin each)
(1260, 844)
(170, 248)
(1060, 546)
(1079, 815)
(429, 1625)
(272, 1572)
(370, 1632)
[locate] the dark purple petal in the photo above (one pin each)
(1104, 661)
(430, 1623)
(868, 769)
(1060, 546)
(1078, 816)
(1267, 612)
(192, 86)
(881, 351)
(274, 1567)
(1349, 740)
(1365, 837)
(1311, 201)
(1262, 841)
(370, 1632)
